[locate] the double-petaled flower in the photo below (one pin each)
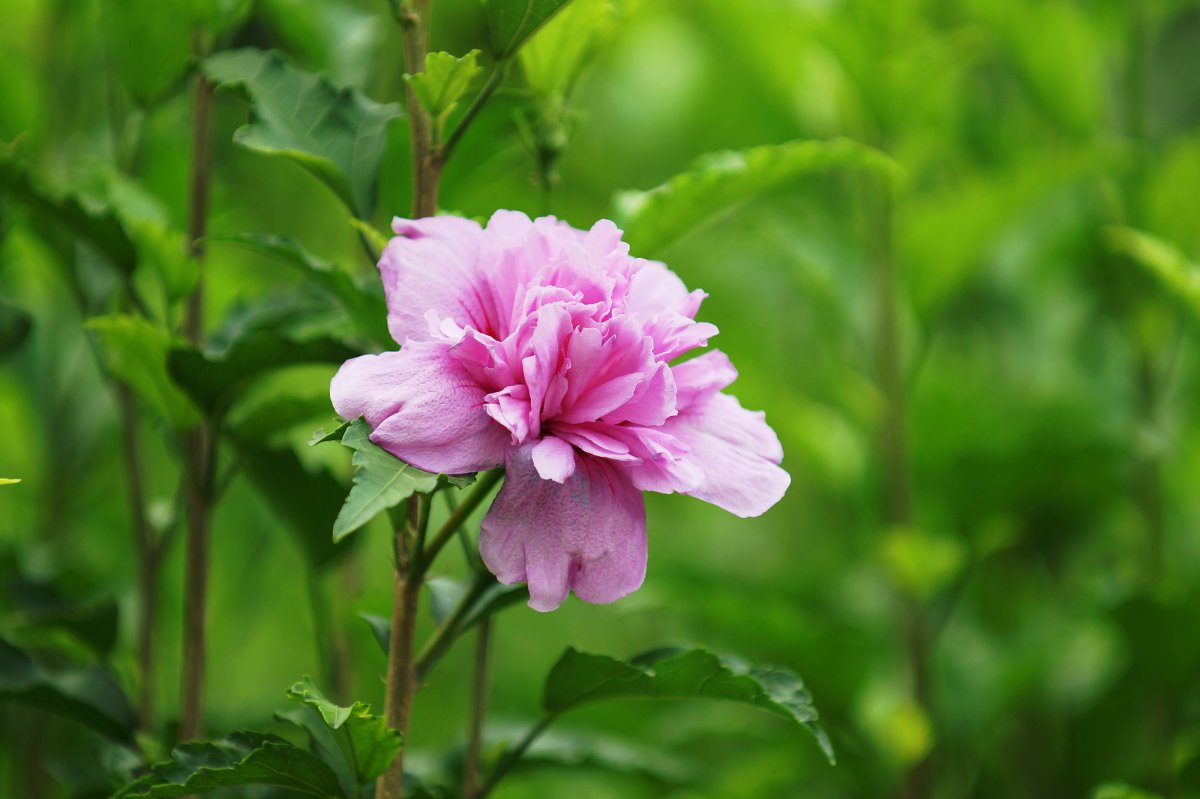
(552, 352)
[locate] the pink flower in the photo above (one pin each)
(549, 350)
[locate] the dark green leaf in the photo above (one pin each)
(136, 353)
(358, 745)
(160, 58)
(381, 628)
(306, 501)
(444, 81)
(511, 22)
(579, 679)
(335, 132)
(366, 308)
(242, 759)
(320, 437)
(15, 325)
(381, 481)
(87, 694)
(718, 182)
(99, 227)
(214, 380)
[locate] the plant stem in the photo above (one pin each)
(198, 444)
(448, 630)
(480, 679)
(893, 444)
(401, 676)
(413, 17)
(513, 755)
(493, 83)
(448, 530)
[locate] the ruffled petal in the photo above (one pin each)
(431, 266)
(586, 535)
(422, 407)
(701, 377)
(737, 452)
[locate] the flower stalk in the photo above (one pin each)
(199, 443)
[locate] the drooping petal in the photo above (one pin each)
(431, 266)
(737, 452)
(587, 534)
(422, 408)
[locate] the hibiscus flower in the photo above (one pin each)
(552, 352)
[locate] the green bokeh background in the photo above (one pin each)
(1051, 386)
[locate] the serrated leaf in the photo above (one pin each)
(242, 759)
(87, 694)
(366, 308)
(335, 132)
(580, 679)
(444, 81)
(357, 744)
(511, 22)
(1162, 259)
(135, 352)
(15, 325)
(381, 481)
(654, 219)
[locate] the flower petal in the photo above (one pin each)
(422, 407)
(554, 459)
(431, 266)
(738, 453)
(586, 535)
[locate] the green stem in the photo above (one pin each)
(199, 445)
(439, 643)
(485, 94)
(514, 755)
(480, 679)
(483, 488)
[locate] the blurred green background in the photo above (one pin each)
(987, 566)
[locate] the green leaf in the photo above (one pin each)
(135, 352)
(335, 132)
(443, 83)
(580, 679)
(366, 308)
(86, 694)
(654, 219)
(213, 381)
(1114, 790)
(1166, 262)
(242, 759)
(306, 501)
(381, 481)
(381, 628)
(15, 325)
(157, 63)
(99, 227)
(320, 437)
(553, 59)
(511, 22)
(357, 744)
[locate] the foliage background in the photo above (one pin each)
(1050, 567)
